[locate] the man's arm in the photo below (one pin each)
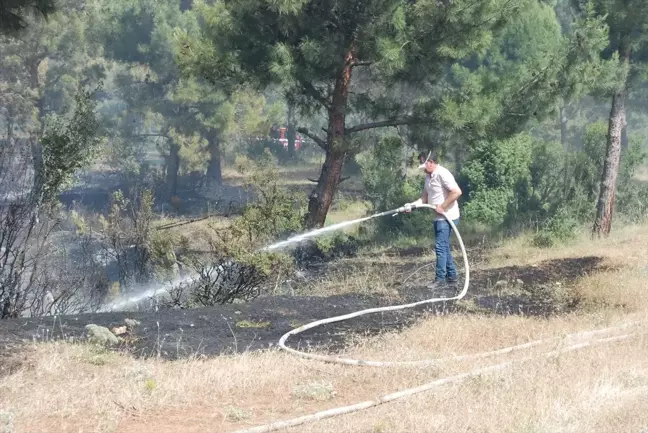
(448, 181)
(453, 195)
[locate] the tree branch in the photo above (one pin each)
(383, 123)
(315, 180)
(153, 135)
(321, 143)
(361, 63)
(315, 94)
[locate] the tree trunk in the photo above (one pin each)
(563, 126)
(173, 166)
(214, 172)
(291, 132)
(35, 144)
(322, 196)
(605, 205)
(319, 201)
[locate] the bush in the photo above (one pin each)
(491, 177)
(557, 229)
(235, 269)
(275, 211)
(388, 187)
(523, 183)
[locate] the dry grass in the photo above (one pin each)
(623, 247)
(72, 388)
(642, 173)
(65, 390)
(288, 175)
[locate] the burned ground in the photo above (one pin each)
(259, 324)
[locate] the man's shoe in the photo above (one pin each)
(453, 281)
(436, 284)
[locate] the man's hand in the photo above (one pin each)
(439, 209)
(408, 207)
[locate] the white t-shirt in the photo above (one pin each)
(438, 186)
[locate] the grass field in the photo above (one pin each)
(82, 388)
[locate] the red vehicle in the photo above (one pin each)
(284, 140)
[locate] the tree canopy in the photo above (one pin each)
(15, 14)
(483, 66)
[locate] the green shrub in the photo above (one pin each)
(491, 177)
(558, 229)
(387, 187)
(275, 211)
(523, 183)
(235, 268)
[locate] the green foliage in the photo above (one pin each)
(128, 232)
(529, 68)
(14, 13)
(524, 182)
(558, 228)
(273, 214)
(68, 145)
(276, 212)
(492, 176)
(235, 267)
(387, 188)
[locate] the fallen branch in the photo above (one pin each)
(181, 223)
(315, 180)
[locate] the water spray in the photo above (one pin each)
(344, 224)
(151, 292)
(348, 361)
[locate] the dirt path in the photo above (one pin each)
(259, 324)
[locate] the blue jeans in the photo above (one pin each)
(445, 265)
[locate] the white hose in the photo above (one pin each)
(348, 361)
(280, 425)
(318, 416)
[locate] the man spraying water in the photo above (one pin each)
(441, 190)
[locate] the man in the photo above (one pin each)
(441, 190)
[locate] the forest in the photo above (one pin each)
(147, 140)
(203, 220)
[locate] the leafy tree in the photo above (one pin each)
(41, 69)
(67, 144)
(188, 118)
(346, 59)
(627, 20)
(15, 14)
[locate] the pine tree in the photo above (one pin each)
(349, 59)
(15, 14)
(40, 72)
(187, 117)
(627, 20)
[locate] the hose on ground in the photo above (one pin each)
(348, 361)
(280, 425)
